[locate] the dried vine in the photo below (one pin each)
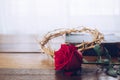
(97, 38)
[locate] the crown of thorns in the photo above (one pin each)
(97, 38)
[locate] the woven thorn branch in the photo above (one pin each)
(97, 38)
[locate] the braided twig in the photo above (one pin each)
(97, 38)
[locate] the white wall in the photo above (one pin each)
(109, 24)
(41, 16)
(31, 16)
(101, 14)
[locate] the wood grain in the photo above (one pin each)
(19, 61)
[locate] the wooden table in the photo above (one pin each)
(21, 59)
(22, 51)
(19, 43)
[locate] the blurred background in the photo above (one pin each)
(41, 16)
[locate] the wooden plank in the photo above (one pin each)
(28, 61)
(88, 73)
(19, 43)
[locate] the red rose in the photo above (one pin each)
(67, 58)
